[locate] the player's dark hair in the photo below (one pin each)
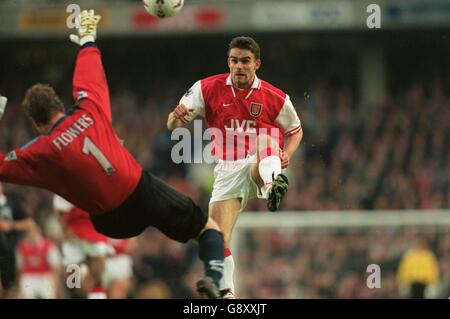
(245, 43)
(41, 103)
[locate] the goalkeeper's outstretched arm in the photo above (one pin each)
(86, 24)
(89, 80)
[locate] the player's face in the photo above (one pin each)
(243, 66)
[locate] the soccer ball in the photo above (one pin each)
(163, 8)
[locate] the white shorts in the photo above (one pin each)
(233, 179)
(33, 286)
(75, 251)
(117, 267)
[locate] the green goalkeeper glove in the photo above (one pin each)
(86, 23)
(3, 101)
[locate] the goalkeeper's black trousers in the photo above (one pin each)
(153, 203)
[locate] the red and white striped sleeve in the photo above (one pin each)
(193, 100)
(288, 119)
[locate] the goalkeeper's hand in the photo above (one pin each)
(3, 101)
(86, 24)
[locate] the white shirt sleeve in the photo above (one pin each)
(288, 119)
(193, 100)
(60, 204)
(54, 257)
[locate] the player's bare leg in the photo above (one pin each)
(225, 213)
(266, 172)
(93, 280)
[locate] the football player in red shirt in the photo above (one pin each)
(250, 120)
(83, 245)
(79, 157)
(39, 264)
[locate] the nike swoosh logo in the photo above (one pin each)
(227, 104)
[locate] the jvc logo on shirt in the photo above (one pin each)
(238, 139)
(248, 126)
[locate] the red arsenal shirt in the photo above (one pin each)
(237, 116)
(80, 159)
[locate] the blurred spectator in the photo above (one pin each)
(418, 270)
(83, 245)
(39, 264)
(118, 276)
(13, 222)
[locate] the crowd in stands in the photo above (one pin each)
(334, 263)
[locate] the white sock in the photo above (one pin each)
(268, 166)
(228, 270)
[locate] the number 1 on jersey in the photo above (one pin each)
(90, 148)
